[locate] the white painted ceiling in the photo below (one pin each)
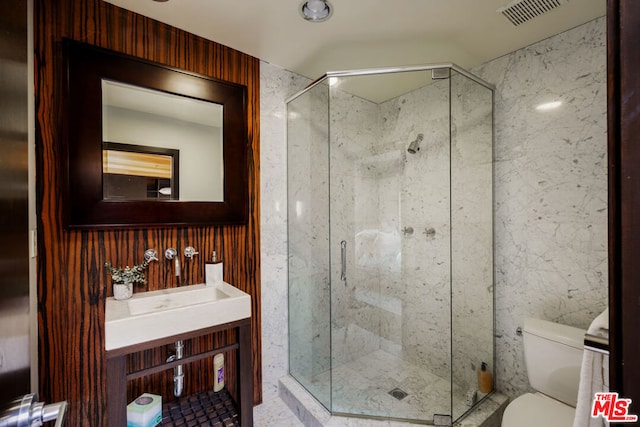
(365, 33)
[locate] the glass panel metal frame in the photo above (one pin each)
(336, 262)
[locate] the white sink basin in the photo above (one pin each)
(147, 316)
(147, 303)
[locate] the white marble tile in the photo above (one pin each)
(551, 189)
(273, 412)
(362, 387)
(275, 86)
(370, 378)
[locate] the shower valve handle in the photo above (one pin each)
(429, 232)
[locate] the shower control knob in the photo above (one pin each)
(429, 232)
(407, 231)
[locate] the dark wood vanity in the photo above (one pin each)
(117, 375)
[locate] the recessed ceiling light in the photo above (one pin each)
(316, 10)
(161, 1)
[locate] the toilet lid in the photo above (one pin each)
(534, 410)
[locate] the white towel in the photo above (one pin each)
(594, 376)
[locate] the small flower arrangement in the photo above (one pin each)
(127, 275)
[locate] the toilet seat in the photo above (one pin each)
(536, 409)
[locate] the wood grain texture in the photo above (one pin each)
(72, 282)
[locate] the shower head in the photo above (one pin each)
(414, 147)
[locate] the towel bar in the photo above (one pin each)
(597, 344)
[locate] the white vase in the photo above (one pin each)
(122, 290)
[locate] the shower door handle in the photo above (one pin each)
(343, 258)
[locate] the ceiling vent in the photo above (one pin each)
(521, 11)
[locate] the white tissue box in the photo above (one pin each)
(145, 411)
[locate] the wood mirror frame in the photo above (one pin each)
(85, 68)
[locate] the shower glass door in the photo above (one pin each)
(390, 231)
(390, 246)
(471, 238)
(308, 235)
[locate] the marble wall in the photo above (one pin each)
(550, 195)
(276, 85)
(550, 189)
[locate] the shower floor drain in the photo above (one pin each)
(398, 393)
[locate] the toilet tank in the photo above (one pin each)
(553, 355)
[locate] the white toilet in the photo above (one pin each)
(553, 355)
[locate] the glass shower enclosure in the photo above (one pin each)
(390, 234)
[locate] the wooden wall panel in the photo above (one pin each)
(72, 282)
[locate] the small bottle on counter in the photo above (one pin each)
(218, 367)
(485, 379)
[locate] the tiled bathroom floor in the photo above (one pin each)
(274, 413)
(363, 385)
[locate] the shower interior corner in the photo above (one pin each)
(390, 237)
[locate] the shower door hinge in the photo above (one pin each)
(441, 420)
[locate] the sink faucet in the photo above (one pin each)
(170, 254)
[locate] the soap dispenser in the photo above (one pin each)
(213, 271)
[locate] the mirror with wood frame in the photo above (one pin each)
(151, 145)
